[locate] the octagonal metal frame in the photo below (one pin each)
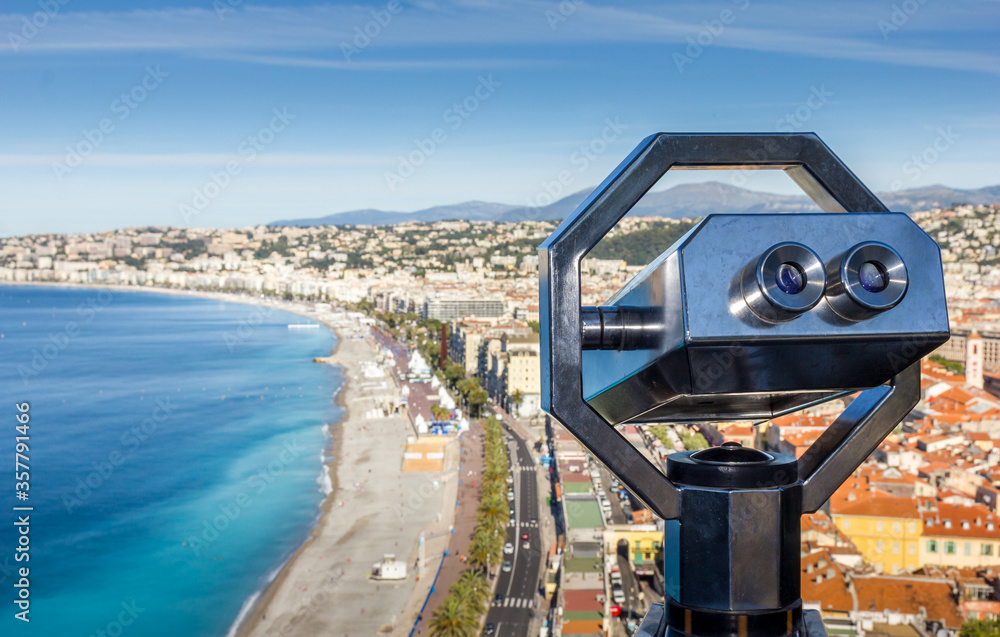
(824, 178)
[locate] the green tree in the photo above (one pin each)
(693, 441)
(454, 372)
(480, 553)
(440, 413)
(475, 581)
(516, 399)
(980, 628)
(466, 385)
(453, 619)
(477, 398)
(472, 598)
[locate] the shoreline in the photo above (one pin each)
(252, 619)
(247, 621)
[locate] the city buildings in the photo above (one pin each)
(912, 539)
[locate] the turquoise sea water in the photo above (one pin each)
(175, 455)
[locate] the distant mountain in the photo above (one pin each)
(683, 200)
(938, 197)
(469, 210)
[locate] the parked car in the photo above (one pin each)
(510, 494)
(508, 548)
(489, 629)
(498, 598)
(617, 594)
(506, 566)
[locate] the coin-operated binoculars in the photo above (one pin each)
(746, 317)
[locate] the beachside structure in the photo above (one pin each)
(389, 569)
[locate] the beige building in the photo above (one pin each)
(511, 364)
(463, 346)
(524, 373)
(961, 536)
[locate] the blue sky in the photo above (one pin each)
(187, 94)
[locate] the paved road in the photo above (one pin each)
(512, 614)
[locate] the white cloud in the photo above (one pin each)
(199, 159)
(313, 36)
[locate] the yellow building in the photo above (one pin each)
(886, 529)
(645, 542)
(962, 536)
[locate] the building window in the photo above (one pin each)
(847, 524)
(878, 546)
(913, 528)
(985, 549)
(897, 528)
(895, 548)
(949, 548)
(879, 526)
(932, 546)
(967, 549)
(911, 548)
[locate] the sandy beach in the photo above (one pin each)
(374, 509)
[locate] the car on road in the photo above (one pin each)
(508, 548)
(498, 598)
(506, 566)
(524, 536)
(513, 520)
(618, 594)
(526, 545)
(510, 494)
(489, 629)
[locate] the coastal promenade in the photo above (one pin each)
(375, 509)
(471, 474)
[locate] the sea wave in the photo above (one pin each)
(244, 611)
(324, 480)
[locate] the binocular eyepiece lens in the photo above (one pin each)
(790, 278)
(870, 278)
(873, 276)
(787, 280)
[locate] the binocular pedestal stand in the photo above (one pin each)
(732, 555)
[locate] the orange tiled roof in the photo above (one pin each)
(977, 517)
(909, 595)
(823, 582)
(882, 506)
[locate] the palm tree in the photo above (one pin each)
(471, 598)
(476, 581)
(485, 549)
(516, 399)
(452, 619)
(493, 512)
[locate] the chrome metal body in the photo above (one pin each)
(706, 332)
